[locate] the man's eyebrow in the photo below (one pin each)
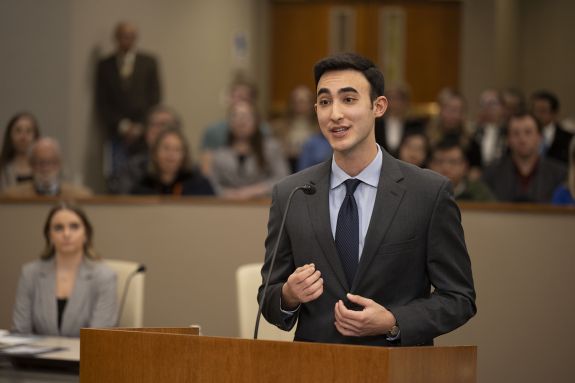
(347, 89)
(342, 90)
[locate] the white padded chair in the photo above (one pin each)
(133, 311)
(248, 279)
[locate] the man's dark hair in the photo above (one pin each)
(449, 143)
(549, 97)
(343, 61)
(519, 116)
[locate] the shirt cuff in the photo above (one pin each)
(288, 313)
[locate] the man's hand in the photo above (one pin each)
(305, 284)
(374, 319)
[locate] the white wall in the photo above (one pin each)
(34, 42)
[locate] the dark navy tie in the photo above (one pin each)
(347, 232)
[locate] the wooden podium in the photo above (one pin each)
(176, 355)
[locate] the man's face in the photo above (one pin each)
(157, 123)
(126, 35)
(345, 112)
(450, 163)
(542, 112)
(524, 138)
(45, 164)
(452, 113)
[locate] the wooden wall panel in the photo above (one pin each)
(432, 54)
(299, 40)
(300, 37)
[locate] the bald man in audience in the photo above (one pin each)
(46, 161)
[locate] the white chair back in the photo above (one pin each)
(133, 311)
(248, 280)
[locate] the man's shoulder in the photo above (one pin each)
(410, 174)
(146, 57)
(306, 176)
(551, 165)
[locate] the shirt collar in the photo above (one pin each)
(369, 175)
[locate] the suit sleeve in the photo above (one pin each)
(282, 268)
(154, 85)
(452, 302)
(22, 316)
(105, 308)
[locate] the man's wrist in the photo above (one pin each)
(288, 303)
(394, 332)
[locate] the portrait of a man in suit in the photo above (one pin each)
(377, 255)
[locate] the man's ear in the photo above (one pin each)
(315, 108)
(380, 106)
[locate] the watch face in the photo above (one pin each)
(394, 331)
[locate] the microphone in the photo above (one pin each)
(141, 269)
(309, 190)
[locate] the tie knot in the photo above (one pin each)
(350, 185)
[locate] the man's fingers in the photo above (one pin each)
(359, 300)
(303, 272)
(342, 316)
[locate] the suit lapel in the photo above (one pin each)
(47, 290)
(318, 208)
(387, 200)
(78, 296)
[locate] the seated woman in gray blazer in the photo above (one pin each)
(68, 287)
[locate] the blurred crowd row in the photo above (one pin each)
(514, 150)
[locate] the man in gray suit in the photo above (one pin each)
(378, 261)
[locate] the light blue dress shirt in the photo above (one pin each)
(364, 194)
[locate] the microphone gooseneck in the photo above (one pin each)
(307, 189)
(141, 269)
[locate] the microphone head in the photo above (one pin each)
(308, 189)
(141, 268)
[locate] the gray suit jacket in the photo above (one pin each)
(91, 304)
(414, 242)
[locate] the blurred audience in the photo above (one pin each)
(565, 194)
(22, 130)
(414, 149)
(524, 175)
(68, 288)
(449, 160)
(513, 102)
(127, 86)
(45, 158)
(545, 107)
(489, 135)
(216, 135)
(314, 151)
(298, 125)
(159, 119)
(451, 124)
(390, 129)
(251, 162)
(171, 171)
